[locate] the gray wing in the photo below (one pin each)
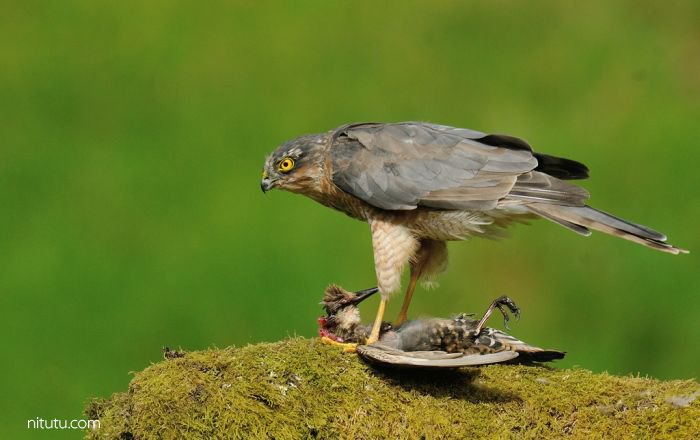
(411, 164)
(380, 355)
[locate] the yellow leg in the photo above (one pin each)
(415, 274)
(347, 347)
(374, 335)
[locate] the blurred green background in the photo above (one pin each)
(132, 135)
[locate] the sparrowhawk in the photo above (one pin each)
(419, 185)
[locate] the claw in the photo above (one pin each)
(506, 318)
(508, 302)
(501, 303)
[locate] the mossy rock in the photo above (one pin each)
(300, 388)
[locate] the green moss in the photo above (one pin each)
(300, 388)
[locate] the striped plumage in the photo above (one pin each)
(457, 335)
(427, 339)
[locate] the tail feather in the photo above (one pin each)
(526, 352)
(540, 355)
(560, 221)
(589, 218)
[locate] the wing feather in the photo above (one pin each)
(539, 187)
(384, 356)
(406, 165)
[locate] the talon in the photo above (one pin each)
(508, 302)
(500, 303)
(506, 318)
(346, 346)
(503, 302)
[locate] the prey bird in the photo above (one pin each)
(419, 185)
(433, 342)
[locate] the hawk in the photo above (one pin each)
(419, 185)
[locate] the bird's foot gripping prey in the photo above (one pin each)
(419, 185)
(432, 343)
(348, 347)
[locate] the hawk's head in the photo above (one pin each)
(295, 165)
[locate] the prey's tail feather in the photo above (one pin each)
(541, 355)
(527, 353)
(582, 218)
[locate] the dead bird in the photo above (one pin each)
(433, 342)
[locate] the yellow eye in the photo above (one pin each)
(286, 165)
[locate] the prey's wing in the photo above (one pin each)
(383, 356)
(405, 165)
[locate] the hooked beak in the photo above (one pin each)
(266, 184)
(363, 295)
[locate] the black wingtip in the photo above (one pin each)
(561, 168)
(505, 141)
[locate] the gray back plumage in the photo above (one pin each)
(405, 165)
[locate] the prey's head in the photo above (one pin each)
(342, 320)
(295, 165)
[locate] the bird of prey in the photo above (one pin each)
(419, 185)
(434, 342)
